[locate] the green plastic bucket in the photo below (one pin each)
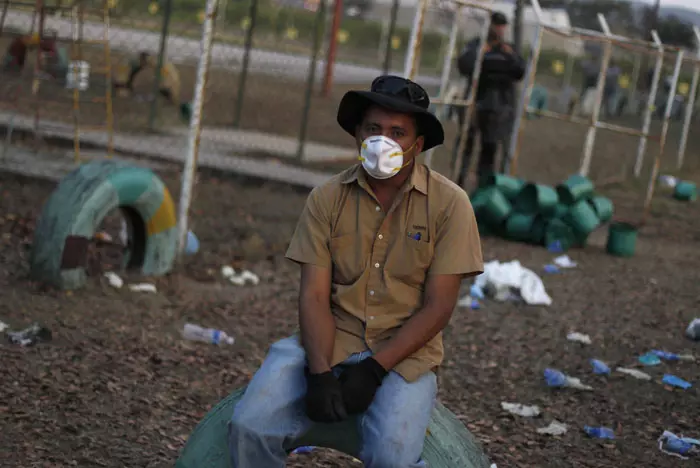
(509, 186)
(685, 191)
(574, 189)
(484, 229)
(582, 219)
(560, 210)
(494, 207)
(536, 199)
(622, 239)
(558, 231)
(603, 207)
(537, 230)
(519, 225)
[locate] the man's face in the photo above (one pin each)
(498, 31)
(398, 126)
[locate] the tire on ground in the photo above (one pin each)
(448, 443)
(79, 204)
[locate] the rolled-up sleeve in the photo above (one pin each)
(457, 242)
(310, 242)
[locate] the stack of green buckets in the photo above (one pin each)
(561, 216)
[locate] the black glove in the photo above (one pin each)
(359, 383)
(324, 398)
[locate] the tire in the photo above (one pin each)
(448, 443)
(79, 204)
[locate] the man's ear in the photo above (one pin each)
(420, 141)
(358, 137)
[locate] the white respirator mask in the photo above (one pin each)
(382, 157)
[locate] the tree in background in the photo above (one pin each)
(673, 30)
(627, 19)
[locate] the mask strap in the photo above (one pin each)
(362, 146)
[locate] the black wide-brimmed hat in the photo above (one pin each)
(396, 94)
(499, 19)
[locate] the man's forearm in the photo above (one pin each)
(413, 335)
(317, 333)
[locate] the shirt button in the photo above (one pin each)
(371, 293)
(378, 208)
(380, 236)
(376, 265)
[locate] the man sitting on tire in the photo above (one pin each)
(383, 248)
(502, 67)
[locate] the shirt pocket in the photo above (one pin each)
(411, 260)
(345, 259)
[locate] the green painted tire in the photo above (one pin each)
(79, 204)
(448, 444)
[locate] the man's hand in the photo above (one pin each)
(487, 48)
(505, 48)
(360, 383)
(324, 398)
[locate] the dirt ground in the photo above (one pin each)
(117, 385)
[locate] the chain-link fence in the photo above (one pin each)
(264, 92)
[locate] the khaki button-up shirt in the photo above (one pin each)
(380, 261)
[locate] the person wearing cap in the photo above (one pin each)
(383, 248)
(501, 68)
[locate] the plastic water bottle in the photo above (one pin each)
(599, 367)
(206, 335)
(599, 432)
(693, 331)
(555, 378)
(304, 449)
(192, 244)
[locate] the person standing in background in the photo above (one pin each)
(502, 67)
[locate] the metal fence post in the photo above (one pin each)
(253, 14)
(332, 48)
(159, 65)
(649, 110)
(470, 108)
(410, 67)
(389, 36)
(195, 127)
(318, 34)
(600, 89)
(664, 133)
(690, 104)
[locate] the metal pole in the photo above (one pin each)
(318, 33)
(409, 66)
(511, 165)
(332, 48)
(600, 87)
(253, 15)
(690, 104)
(5, 7)
(636, 70)
(664, 132)
(470, 109)
(390, 36)
(36, 81)
(569, 72)
(651, 99)
(511, 158)
(195, 125)
(159, 65)
(446, 69)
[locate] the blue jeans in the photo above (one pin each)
(272, 412)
